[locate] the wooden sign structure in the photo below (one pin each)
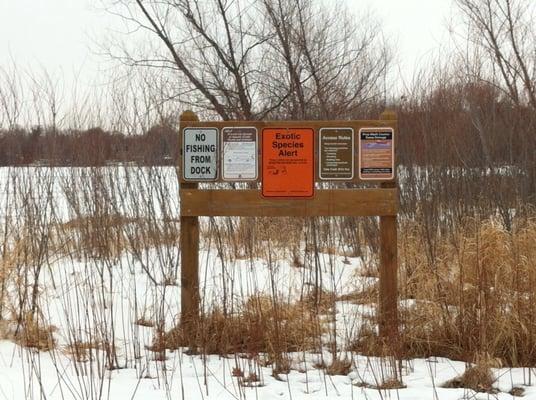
(287, 158)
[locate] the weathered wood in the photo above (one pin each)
(315, 124)
(189, 245)
(249, 203)
(388, 277)
(388, 296)
(381, 202)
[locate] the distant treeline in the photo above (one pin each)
(448, 124)
(91, 147)
(466, 125)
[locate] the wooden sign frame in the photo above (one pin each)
(381, 201)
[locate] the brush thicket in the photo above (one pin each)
(476, 295)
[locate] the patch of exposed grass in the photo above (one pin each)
(35, 334)
(83, 351)
(339, 367)
(260, 327)
(478, 378)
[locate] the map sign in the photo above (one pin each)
(199, 154)
(239, 154)
(336, 154)
(376, 153)
(288, 162)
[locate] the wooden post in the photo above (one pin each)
(388, 301)
(189, 242)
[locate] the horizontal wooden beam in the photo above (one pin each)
(315, 124)
(250, 203)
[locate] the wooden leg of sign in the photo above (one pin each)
(388, 310)
(189, 242)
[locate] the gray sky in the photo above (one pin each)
(55, 34)
(58, 34)
(418, 28)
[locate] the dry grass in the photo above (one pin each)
(35, 334)
(250, 235)
(517, 391)
(83, 351)
(144, 322)
(474, 294)
(477, 295)
(6, 329)
(478, 378)
(388, 384)
(339, 367)
(261, 327)
(110, 235)
(366, 295)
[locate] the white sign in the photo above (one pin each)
(239, 153)
(199, 154)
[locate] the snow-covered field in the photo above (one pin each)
(191, 377)
(26, 373)
(94, 300)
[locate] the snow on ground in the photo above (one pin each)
(191, 377)
(69, 291)
(59, 191)
(89, 300)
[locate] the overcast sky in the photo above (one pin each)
(58, 34)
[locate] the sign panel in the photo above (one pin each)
(376, 153)
(336, 149)
(200, 154)
(288, 162)
(239, 161)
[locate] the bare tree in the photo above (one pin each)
(333, 64)
(11, 97)
(503, 31)
(245, 59)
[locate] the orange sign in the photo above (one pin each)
(288, 162)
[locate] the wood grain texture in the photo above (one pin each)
(189, 246)
(388, 296)
(381, 202)
(250, 203)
